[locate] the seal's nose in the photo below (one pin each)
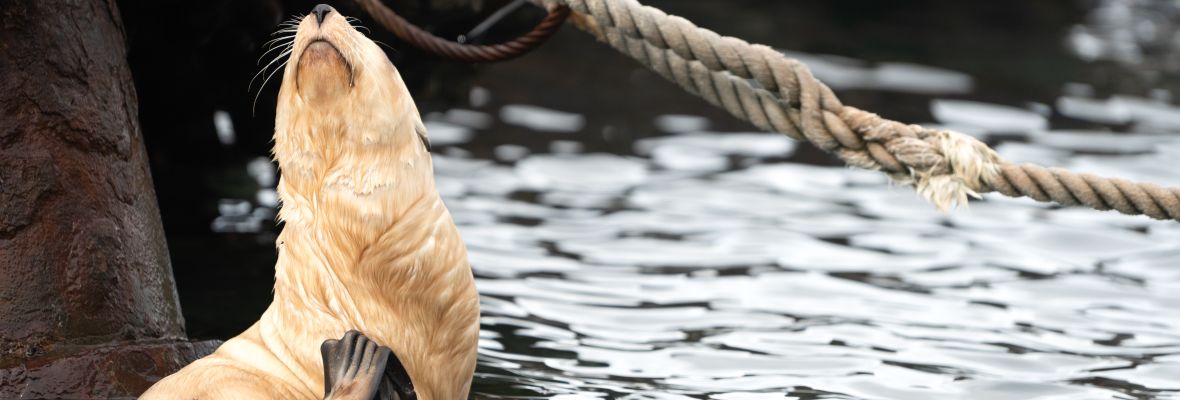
(320, 12)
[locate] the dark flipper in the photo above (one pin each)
(399, 385)
(356, 368)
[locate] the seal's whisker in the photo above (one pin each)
(356, 24)
(386, 45)
(295, 19)
(286, 46)
(284, 42)
(280, 44)
(268, 65)
(289, 24)
(291, 28)
(277, 40)
(254, 107)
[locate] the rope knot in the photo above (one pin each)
(945, 167)
(959, 166)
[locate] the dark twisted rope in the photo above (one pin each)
(471, 53)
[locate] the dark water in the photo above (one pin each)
(631, 242)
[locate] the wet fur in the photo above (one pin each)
(367, 244)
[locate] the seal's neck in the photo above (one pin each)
(359, 207)
(348, 179)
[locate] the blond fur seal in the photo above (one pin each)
(368, 244)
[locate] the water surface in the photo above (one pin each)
(632, 246)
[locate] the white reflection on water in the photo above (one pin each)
(541, 118)
(607, 276)
(989, 117)
(843, 73)
(709, 284)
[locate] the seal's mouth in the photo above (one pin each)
(321, 59)
(321, 42)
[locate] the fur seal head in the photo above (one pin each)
(322, 71)
(335, 69)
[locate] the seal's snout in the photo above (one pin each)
(321, 11)
(323, 55)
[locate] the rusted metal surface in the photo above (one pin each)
(88, 306)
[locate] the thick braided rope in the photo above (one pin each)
(758, 84)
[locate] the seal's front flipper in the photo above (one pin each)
(397, 384)
(354, 368)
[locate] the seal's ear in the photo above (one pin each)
(420, 129)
